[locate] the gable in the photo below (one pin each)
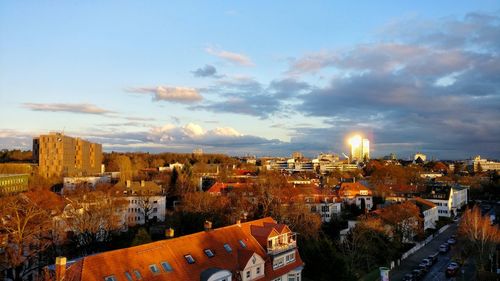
(254, 260)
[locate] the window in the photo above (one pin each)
(154, 269)
(257, 271)
(189, 259)
(138, 275)
(228, 248)
(248, 274)
(242, 243)
(209, 253)
(155, 209)
(110, 278)
(166, 266)
(129, 276)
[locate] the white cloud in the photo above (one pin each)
(235, 58)
(169, 93)
(67, 107)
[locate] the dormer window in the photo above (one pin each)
(110, 278)
(209, 253)
(189, 259)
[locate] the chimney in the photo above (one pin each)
(238, 222)
(208, 225)
(60, 268)
(143, 183)
(128, 183)
(169, 232)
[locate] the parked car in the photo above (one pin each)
(444, 248)
(409, 277)
(423, 266)
(428, 262)
(417, 274)
(451, 241)
(434, 257)
(452, 269)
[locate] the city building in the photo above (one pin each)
(360, 148)
(356, 193)
(256, 250)
(429, 212)
(59, 155)
(418, 155)
(13, 183)
(70, 183)
(144, 201)
(448, 199)
(477, 164)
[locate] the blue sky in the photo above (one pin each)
(254, 77)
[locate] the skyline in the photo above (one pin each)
(265, 79)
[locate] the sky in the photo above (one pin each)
(254, 77)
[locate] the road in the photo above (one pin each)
(436, 273)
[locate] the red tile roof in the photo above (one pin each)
(116, 263)
(220, 187)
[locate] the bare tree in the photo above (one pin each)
(24, 227)
(480, 235)
(92, 217)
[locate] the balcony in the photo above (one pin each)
(281, 243)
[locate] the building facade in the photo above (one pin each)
(13, 183)
(59, 155)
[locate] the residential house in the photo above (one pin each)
(256, 250)
(356, 193)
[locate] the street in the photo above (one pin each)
(437, 271)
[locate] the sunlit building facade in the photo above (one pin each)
(360, 148)
(59, 155)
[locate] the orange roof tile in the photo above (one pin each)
(116, 263)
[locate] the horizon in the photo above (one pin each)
(265, 79)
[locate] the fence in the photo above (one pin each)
(423, 243)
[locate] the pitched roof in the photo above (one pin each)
(219, 187)
(173, 251)
(353, 188)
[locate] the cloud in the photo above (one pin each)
(246, 96)
(442, 96)
(234, 58)
(206, 71)
(67, 107)
(170, 94)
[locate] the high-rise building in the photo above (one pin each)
(59, 155)
(360, 148)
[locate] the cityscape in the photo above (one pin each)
(223, 141)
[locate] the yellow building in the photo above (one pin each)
(13, 183)
(59, 155)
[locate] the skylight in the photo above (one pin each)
(166, 266)
(110, 278)
(209, 253)
(189, 259)
(154, 269)
(138, 275)
(228, 248)
(129, 276)
(242, 243)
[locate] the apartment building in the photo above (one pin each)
(448, 199)
(59, 155)
(13, 183)
(256, 250)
